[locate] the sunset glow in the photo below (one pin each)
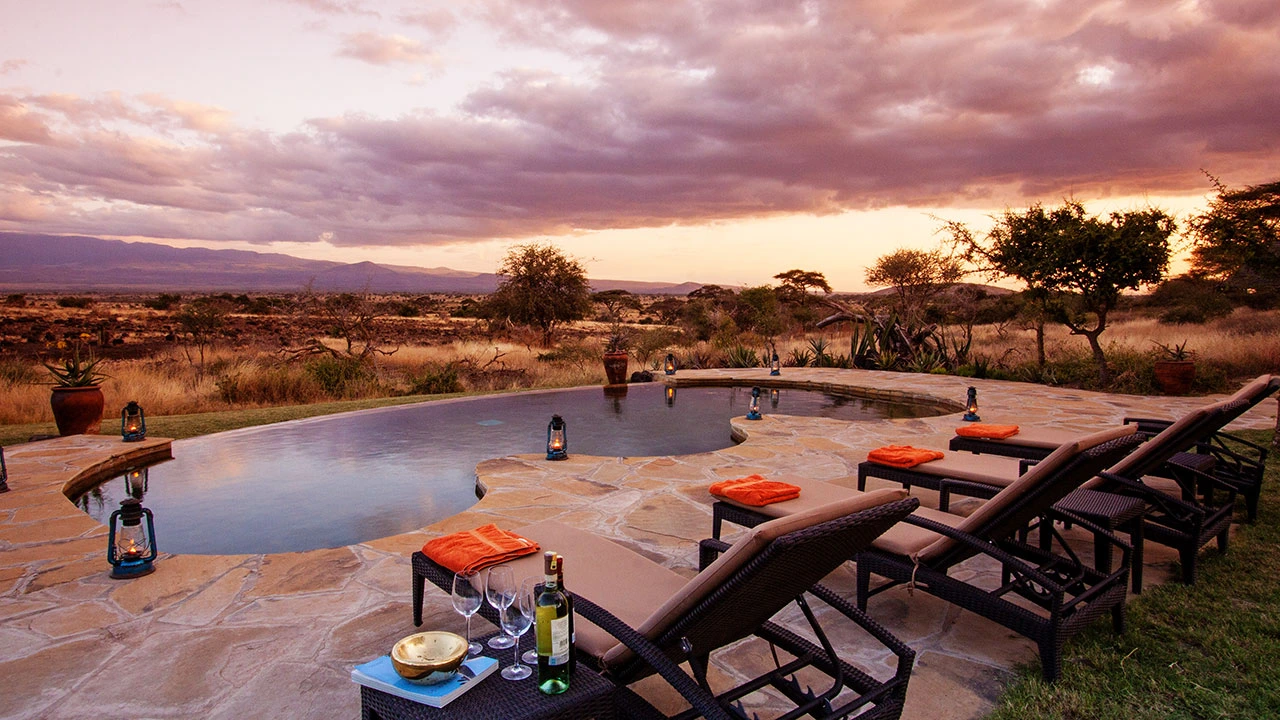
(678, 141)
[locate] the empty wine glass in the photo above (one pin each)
(516, 619)
(530, 656)
(468, 593)
(500, 588)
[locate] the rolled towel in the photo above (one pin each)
(755, 490)
(987, 431)
(902, 456)
(471, 550)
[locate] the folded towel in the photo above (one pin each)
(902, 456)
(472, 550)
(755, 490)
(987, 431)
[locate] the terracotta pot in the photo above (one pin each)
(1175, 376)
(615, 367)
(77, 410)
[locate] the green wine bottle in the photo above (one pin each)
(573, 635)
(552, 628)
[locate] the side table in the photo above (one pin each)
(1112, 512)
(589, 697)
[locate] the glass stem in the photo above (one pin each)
(468, 631)
(517, 649)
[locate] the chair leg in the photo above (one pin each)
(1118, 617)
(1050, 662)
(1188, 557)
(418, 582)
(864, 587)
(1135, 569)
(1223, 537)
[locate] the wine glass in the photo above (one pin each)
(516, 619)
(500, 588)
(468, 594)
(530, 656)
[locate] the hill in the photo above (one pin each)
(77, 263)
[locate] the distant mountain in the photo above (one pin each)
(57, 263)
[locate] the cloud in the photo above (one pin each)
(12, 65)
(384, 49)
(690, 114)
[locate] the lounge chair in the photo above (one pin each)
(1231, 460)
(921, 550)
(1187, 507)
(655, 617)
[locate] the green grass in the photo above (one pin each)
(1211, 650)
(185, 426)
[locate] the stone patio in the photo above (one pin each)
(276, 635)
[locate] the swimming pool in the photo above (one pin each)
(343, 479)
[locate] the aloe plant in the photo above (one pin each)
(76, 371)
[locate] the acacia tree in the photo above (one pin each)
(541, 287)
(1074, 265)
(916, 276)
(1237, 241)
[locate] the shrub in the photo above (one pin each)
(163, 301)
(740, 356)
(251, 385)
(13, 372)
(340, 377)
(72, 301)
(436, 380)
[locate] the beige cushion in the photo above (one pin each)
(1159, 443)
(1046, 467)
(986, 469)
(1037, 437)
(611, 575)
(746, 548)
(907, 539)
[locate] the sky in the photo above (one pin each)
(711, 141)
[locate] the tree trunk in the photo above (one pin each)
(1275, 438)
(1099, 359)
(1040, 355)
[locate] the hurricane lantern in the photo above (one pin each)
(669, 365)
(135, 483)
(971, 406)
(133, 422)
(753, 409)
(774, 394)
(557, 439)
(670, 394)
(775, 365)
(131, 546)
(4, 473)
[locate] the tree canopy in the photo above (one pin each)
(1074, 265)
(915, 276)
(1237, 241)
(541, 287)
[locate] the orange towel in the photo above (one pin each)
(902, 456)
(472, 550)
(755, 490)
(987, 431)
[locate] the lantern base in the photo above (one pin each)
(557, 455)
(970, 417)
(753, 415)
(126, 571)
(775, 372)
(134, 437)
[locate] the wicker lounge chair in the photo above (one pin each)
(1178, 515)
(653, 617)
(921, 550)
(1231, 460)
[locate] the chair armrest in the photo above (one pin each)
(709, 550)
(990, 549)
(1148, 426)
(1026, 464)
(697, 696)
(1098, 531)
(1176, 508)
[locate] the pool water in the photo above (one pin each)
(343, 479)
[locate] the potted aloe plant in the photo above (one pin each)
(1176, 369)
(615, 359)
(77, 400)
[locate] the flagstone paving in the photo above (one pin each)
(276, 635)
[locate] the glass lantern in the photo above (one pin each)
(670, 394)
(135, 483)
(557, 439)
(133, 422)
(669, 365)
(971, 406)
(4, 473)
(753, 409)
(775, 365)
(131, 546)
(774, 394)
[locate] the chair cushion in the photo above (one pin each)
(1037, 437)
(1045, 468)
(907, 539)
(987, 469)
(1154, 452)
(626, 583)
(746, 548)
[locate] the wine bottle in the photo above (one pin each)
(552, 627)
(573, 635)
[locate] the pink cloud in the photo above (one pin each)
(12, 65)
(383, 49)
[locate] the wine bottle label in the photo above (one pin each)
(559, 654)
